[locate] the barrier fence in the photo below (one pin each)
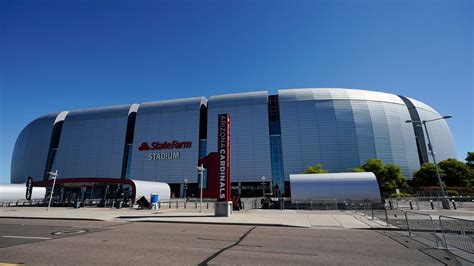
(446, 232)
(186, 204)
(20, 203)
(423, 225)
(111, 203)
(429, 203)
(457, 233)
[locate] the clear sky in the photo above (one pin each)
(66, 55)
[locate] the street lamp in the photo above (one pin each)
(54, 175)
(185, 187)
(263, 185)
(201, 173)
(444, 201)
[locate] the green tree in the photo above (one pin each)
(394, 177)
(426, 175)
(317, 169)
(470, 159)
(357, 169)
(456, 172)
(389, 176)
(375, 166)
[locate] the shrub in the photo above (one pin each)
(451, 192)
(401, 195)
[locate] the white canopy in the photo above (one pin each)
(341, 187)
(146, 188)
(18, 192)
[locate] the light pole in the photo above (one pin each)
(263, 186)
(54, 176)
(444, 201)
(201, 173)
(185, 187)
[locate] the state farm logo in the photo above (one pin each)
(156, 145)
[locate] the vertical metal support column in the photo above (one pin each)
(408, 225)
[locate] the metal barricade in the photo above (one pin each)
(458, 233)
(399, 219)
(380, 214)
(321, 204)
(430, 203)
(423, 225)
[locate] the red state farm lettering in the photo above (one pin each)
(156, 145)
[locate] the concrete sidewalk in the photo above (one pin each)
(292, 218)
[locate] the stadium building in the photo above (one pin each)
(272, 136)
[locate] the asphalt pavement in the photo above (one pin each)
(37, 242)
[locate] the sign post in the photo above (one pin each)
(224, 203)
(201, 173)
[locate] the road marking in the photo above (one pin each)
(28, 237)
(69, 232)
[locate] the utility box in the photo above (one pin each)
(223, 209)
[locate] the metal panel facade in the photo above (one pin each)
(338, 128)
(250, 140)
(92, 143)
(341, 129)
(440, 134)
(31, 150)
(167, 121)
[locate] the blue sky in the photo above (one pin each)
(66, 55)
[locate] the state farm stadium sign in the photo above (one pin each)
(167, 146)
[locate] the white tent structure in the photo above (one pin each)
(340, 187)
(146, 188)
(12, 192)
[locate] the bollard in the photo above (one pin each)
(411, 206)
(170, 205)
(159, 204)
(185, 204)
(296, 205)
(432, 205)
(177, 204)
(196, 204)
(454, 205)
(311, 204)
(207, 204)
(390, 204)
